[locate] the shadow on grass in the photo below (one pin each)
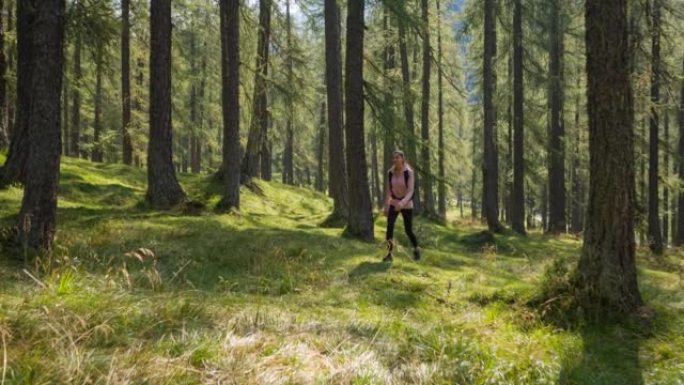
(610, 355)
(367, 268)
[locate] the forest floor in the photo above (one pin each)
(267, 296)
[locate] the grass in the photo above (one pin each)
(267, 296)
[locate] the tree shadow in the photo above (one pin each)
(610, 355)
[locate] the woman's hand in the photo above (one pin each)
(385, 211)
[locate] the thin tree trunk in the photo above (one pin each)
(4, 133)
(337, 165)
(375, 178)
(37, 216)
(163, 189)
(490, 167)
(679, 239)
(425, 114)
(288, 152)
(127, 146)
(607, 275)
(360, 220)
(76, 101)
(65, 109)
(556, 164)
(666, 172)
(259, 123)
(389, 144)
(654, 232)
(441, 187)
(576, 222)
(230, 85)
(96, 155)
(518, 197)
(320, 151)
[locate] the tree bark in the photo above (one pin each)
(607, 271)
(96, 155)
(42, 29)
(375, 177)
(407, 96)
(127, 146)
(288, 152)
(360, 220)
(576, 221)
(75, 128)
(518, 193)
(666, 171)
(259, 123)
(556, 165)
(490, 166)
(655, 236)
(337, 165)
(441, 186)
(320, 151)
(389, 144)
(425, 114)
(679, 239)
(4, 133)
(230, 85)
(163, 189)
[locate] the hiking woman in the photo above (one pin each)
(399, 199)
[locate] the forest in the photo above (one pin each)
(207, 191)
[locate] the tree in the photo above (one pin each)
(96, 154)
(230, 81)
(654, 234)
(337, 166)
(4, 132)
(75, 127)
(360, 219)
(40, 28)
(679, 239)
(259, 123)
(288, 152)
(163, 189)
(320, 150)
(441, 187)
(127, 146)
(518, 194)
(425, 114)
(607, 269)
(490, 165)
(556, 165)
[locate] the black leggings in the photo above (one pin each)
(392, 215)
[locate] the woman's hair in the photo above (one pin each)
(403, 156)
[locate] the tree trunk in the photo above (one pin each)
(259, 123)
(389, 144)
(360, 220)
(425, 114)
(320, 151)
(375, 178)
(679, 239)
(556, 165)
(666, 171)
(607, 270)
(490, 167)
(36, 222)
(410, 128)
(230, 85)
(441, 186)
(654, 233)
(65, 109)
(576, 221)
(14, 169)
(127, 146)
(96, 155)
(518, 194)
(75, 129)
(163, 189)
(288, 151)
(4, 133)
(337, 166)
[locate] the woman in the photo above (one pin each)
(399, 199)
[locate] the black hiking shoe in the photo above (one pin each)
(388, 258)
(416, 254)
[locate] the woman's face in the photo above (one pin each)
(398, 160)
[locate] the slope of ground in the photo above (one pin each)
(266, 296)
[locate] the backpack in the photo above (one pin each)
(406, 179)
